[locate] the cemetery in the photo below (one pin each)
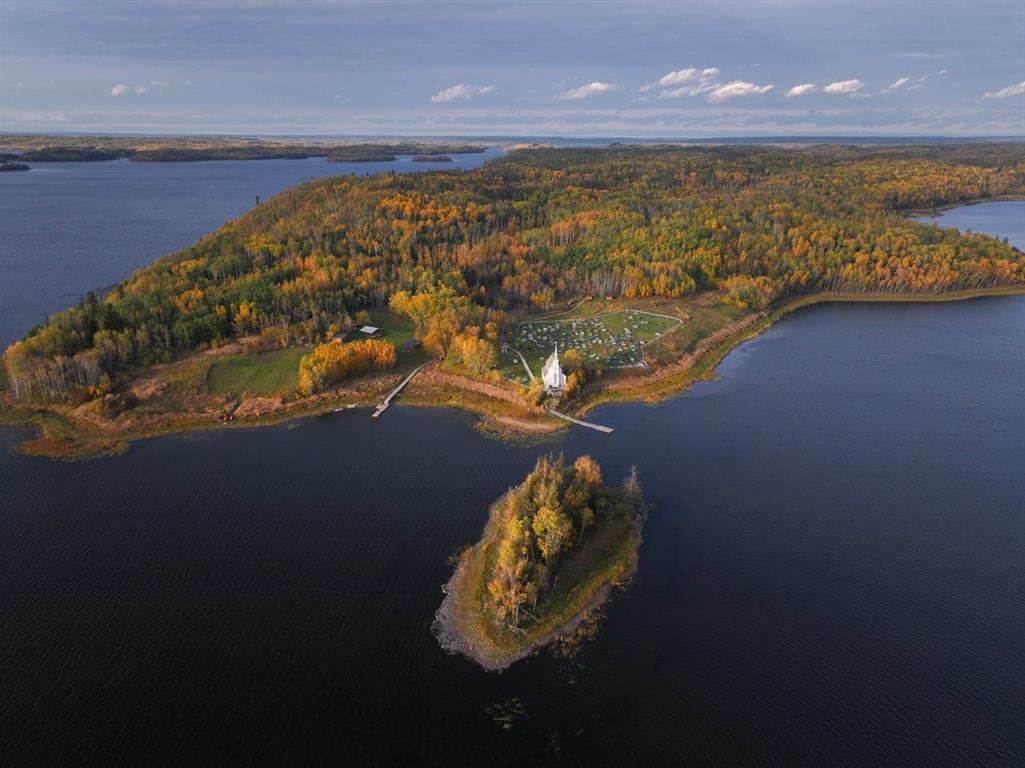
(614, 340)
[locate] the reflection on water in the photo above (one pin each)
(831, 574)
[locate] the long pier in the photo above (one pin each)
(387, 401)
(589, 425)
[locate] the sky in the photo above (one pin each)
(583, 69)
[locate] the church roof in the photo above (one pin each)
(551, 372)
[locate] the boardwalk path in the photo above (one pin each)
(587, 424)
(387, 401)
(523, 360)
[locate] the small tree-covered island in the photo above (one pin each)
(634, 268)
(552, 549)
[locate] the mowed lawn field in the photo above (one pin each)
(256, 373)
(264, 373)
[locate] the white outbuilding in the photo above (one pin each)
(552, 374)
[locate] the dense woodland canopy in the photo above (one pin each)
(551, 513)
(535, 228)
(329, 363)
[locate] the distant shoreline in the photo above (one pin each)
(934, 212)
(84, 149)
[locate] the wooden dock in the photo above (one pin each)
(589, 425)
(387, 401)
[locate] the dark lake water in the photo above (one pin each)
(834, 573)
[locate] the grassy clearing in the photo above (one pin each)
(398, 330)
(256, 373)
(277, 371)
(394, 328)
(703, 321)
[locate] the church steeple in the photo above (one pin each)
(552, 374)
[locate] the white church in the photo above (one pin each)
(552, 374)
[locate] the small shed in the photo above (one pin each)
(370, 331)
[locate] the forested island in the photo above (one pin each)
(195, 148)
(552, 549)
(12, 165)
(646, 263)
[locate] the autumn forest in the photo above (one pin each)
(462, 253)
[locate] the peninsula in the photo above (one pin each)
(151, 149)
(552, 549)
(642, 265)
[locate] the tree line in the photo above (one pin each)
(459, 250)
(332, 362)
(541, 520)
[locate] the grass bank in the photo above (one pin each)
(256, 373)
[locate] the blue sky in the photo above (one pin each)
(643, 69)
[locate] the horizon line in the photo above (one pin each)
(523, 136)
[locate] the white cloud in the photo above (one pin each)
(737, 88)
(1012, 90)
(688, 75)
(801, 90)
(694, 82)
(18, 86)
(586, 91)
(461, 91)
(141, 89)
(844, 86)
(906, 83)
(687, 90)
(121, 88)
